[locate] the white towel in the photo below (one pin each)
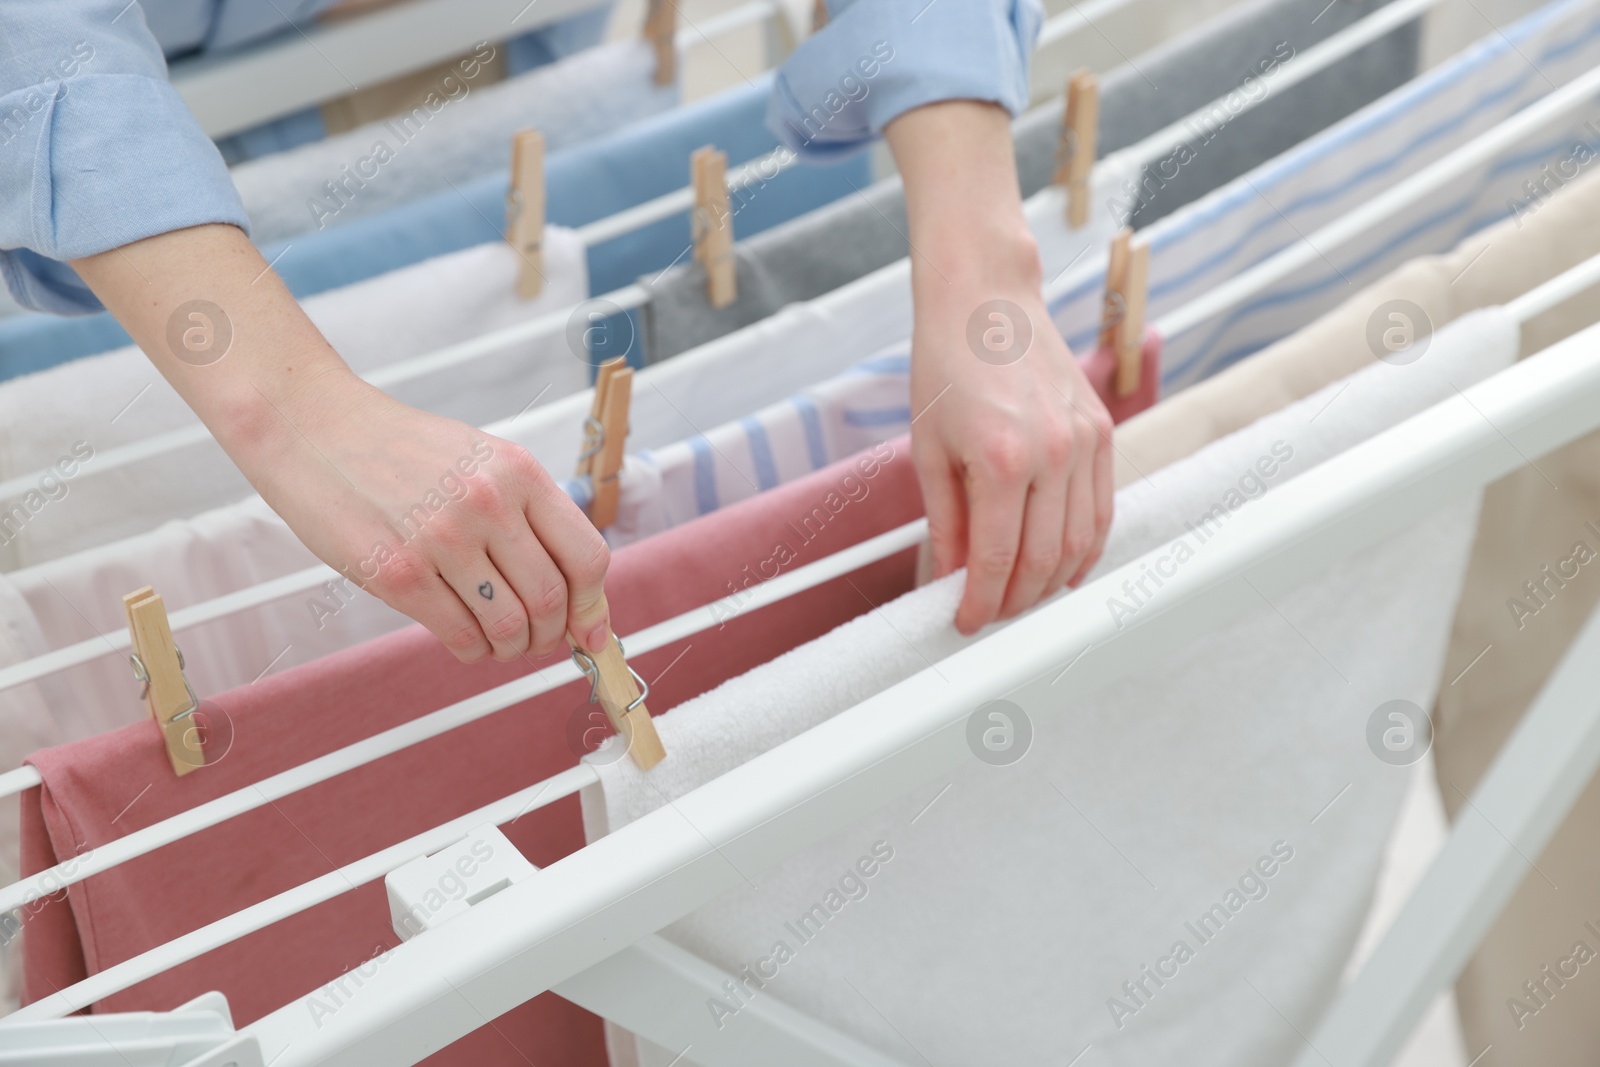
(1016, 904)
(118, 397)
(596, 91)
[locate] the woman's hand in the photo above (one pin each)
(460, 530)
(1014, 456)
(1012, 445)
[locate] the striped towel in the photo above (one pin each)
(1281, 202)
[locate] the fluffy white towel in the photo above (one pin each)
(118, 397)
(1015, 901)
(465, 137)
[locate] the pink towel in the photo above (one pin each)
(99, 789)
(1101, 368)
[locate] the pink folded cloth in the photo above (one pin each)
(1101, 368)
(102, 788)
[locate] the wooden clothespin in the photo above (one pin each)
(525, 211)
(159, 665)
(621, 692)
(819, 15)
(661, 30)
(712, 224)
(605, 433)
(1122, 320)
(1080, 129)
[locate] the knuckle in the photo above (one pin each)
(1005, 456)
(1059, 442)
(995, 560)
(404, 575)
(549, 600)
(1041, 559)
(509, 625)
(465, 640)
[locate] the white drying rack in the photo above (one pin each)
(585, 926)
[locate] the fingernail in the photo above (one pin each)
(598, 637)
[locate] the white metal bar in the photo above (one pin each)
(1080, 17)
(24, 777)
(230, 928)
(1515, 811)
(435, 723)
(653, 988)
(706, 29)
(672, 861)
(659, 991)
(1396, 198)
(1562, 287)
(234, 92)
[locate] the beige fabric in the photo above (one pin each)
(1491, 267)
(403, 93)
(1530, 519)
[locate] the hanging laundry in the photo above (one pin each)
(840, 242)
(461, 134)
(289, 717)
(1279, 204)
(870, 402)
(119, 398)
(1210, 776)
(586, 182)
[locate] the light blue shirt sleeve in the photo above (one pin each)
(96, 148)
(877, 59)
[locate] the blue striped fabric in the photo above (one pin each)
(1279, 203)
(666, 486)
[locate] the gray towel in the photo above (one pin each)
(827, 248)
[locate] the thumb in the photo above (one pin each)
(588, 618)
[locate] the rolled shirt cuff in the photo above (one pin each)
(92, 163)
(878, 59)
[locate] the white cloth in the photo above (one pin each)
(1285, 201)
(1015, 906)
(75, 598)
(118, 398)
(594, 92)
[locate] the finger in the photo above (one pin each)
(1039, 556)
(945, 500)
(578, 551)
(409, 583)
(1104, 494)
(997, 491)
(492, 599)
(537, 583)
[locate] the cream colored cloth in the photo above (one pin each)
(1530, 519)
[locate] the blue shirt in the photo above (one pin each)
(877, 59)
(97, 150)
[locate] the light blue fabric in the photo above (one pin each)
(583, 184)
(83, 82)
(877, 59)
